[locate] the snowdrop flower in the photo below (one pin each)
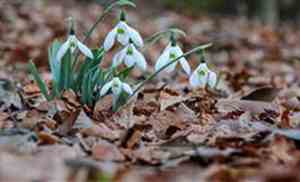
(123, 33)
(202, 76)
(116, 86)
(72, 43)
(130, 56)
(171, 53)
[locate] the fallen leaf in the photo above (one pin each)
(107, 152)
(264, 94)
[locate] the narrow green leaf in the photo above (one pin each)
(42, 85)
(126, 3)
(66, 71)
(55, 67)
(125, 73)
(155, 37)
(53, 62)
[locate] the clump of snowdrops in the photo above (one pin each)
(91, 82)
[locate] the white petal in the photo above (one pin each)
(139, 59)
(202, 66)
(123, 38)
(162, 60)
(127, 88)
(62, 50)
(105, 88)
(172, 51)
(129, 60)
(212, 79)
(110, 40)
(119, 57)
(185, 65)
(117, 90)
(135, 37)
(197, 81)
(116, 86)
(85, 50)
(171, 67)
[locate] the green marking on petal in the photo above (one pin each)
(130, 51)
(202, 72)
(173, 56)
(120, 31)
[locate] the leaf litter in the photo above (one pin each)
(247, 130)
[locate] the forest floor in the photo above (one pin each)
(245, 130)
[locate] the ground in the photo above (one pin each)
(244, 130)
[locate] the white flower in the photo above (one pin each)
(116, 86)
(203, 76)
(123, 33)
(72, 43)
(170, 54)
(130, 56)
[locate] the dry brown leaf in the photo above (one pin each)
(107, 152)
(102, 131)
(47, 138)
(168, 98)
(166, 123)
(102, 108)
(31, 89)
(71, 98)
(254, 107)
(264, 94)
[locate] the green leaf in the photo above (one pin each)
(125, 73)
(87, 91)
(122, 100)
(53, 62)
(126, 3)
(55, 67)
(42, 85)
(166, 33)
(88, 65)
(66, 71)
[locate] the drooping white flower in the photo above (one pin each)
(116, 86)
(202, 76)
(130, 56)
(72, 43)
(123, 33)
(170, 54)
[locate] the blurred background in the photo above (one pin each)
(244, 32)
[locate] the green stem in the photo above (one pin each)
(158, 35)
(165, 66)
(99, 19)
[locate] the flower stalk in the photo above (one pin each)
(199, 48)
